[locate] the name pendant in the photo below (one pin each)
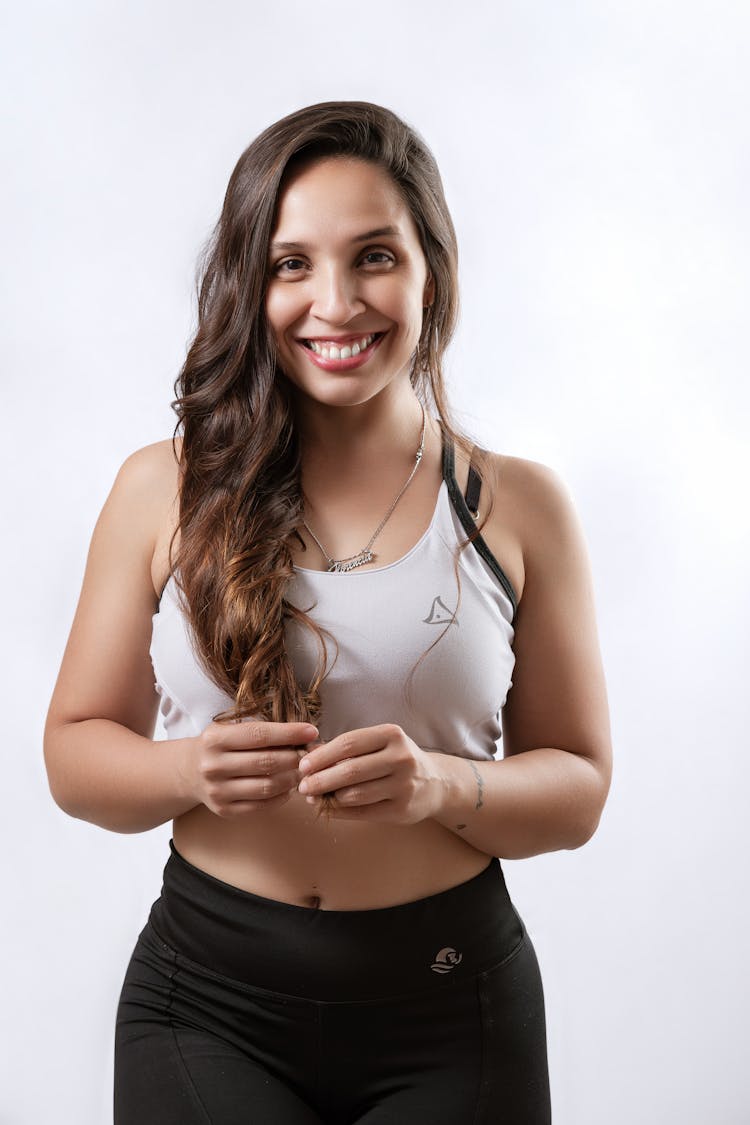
(341, 566)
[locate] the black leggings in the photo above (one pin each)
(242, 1010)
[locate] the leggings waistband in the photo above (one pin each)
(336, 955)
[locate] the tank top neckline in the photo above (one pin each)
(442, 494)
(358, 573)
(448, 489)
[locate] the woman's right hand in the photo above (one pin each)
(236, 768)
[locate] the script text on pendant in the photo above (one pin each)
(341, 566)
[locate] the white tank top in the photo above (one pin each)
(383, 620)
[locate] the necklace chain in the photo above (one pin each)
(366, 555)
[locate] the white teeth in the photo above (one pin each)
(333, 351)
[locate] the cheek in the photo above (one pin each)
(401, 304)
(280, 310)
(413, 317)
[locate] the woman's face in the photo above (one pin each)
(348, 281)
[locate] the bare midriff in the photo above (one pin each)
(290, 855)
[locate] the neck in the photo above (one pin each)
(357, 438)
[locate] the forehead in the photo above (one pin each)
(340, 196)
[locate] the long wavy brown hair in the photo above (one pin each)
(240, 504)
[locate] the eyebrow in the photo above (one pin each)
(379, 232)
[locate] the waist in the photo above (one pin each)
(290, 854)
(301, 951)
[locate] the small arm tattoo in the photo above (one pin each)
(480, 790)
(480, 786)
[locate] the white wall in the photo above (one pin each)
(595, 157)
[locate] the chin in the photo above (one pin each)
(338, 389)
(343, 393)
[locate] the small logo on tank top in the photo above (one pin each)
(439, 614)
(446, 960)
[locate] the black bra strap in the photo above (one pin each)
(473, 488)
(462, 506)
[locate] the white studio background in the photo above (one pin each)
(595, 157)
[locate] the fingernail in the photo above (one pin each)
(303, 786)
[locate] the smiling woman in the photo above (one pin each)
(365, 269)
(337, 602)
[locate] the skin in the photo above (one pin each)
(415, 822)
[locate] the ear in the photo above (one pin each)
(429, 291)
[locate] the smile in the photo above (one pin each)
(333, 355)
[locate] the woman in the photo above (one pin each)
(332, 588)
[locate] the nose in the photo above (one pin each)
(336, 298)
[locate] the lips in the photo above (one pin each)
(342, 354)
(341, 347)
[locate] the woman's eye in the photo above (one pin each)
(290, 265)
(377, 257)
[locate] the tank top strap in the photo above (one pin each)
(466, 508)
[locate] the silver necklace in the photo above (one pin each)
(341, 566)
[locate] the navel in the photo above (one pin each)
(313, 901)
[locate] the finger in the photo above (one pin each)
(256, 763)
(380, 811)
(368, 794)
(351, 744)
(264, 788)
(251, 789)
(350, 772)
(239, 808)
(254, 733)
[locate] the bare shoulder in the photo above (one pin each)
(152, 470)
(532, 509)
(148, 482)
(536, 495)
(521, 480)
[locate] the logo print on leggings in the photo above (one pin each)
(439, 614)
(446, 960)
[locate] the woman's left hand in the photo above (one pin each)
(378, 773)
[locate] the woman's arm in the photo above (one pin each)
(102, 764)
(549, 789)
